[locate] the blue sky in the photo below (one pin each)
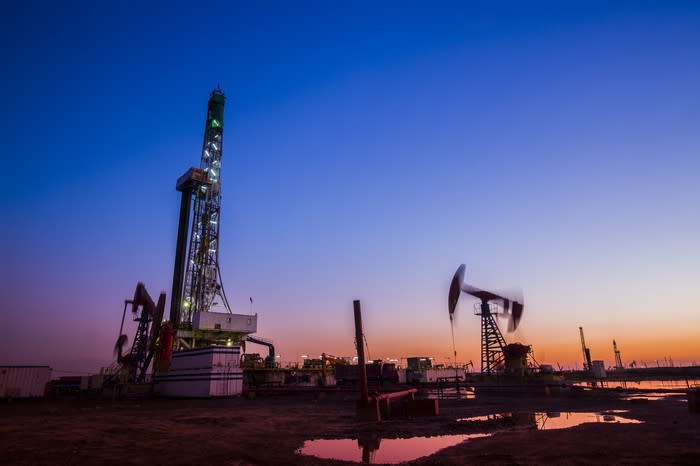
(368, 151)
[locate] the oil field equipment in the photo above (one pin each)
(492, 304)
(200, 313)
(133, 365)
(587, 364)
(618, 358)
(269, 362)
(206, 336)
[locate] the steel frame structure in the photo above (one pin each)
(202, 282)
(492, 341)
(618, 357)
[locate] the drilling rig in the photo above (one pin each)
(199, 310)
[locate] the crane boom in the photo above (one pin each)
(618, 358)
(586, 352)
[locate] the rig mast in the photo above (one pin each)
(198, 294)
(202, 278)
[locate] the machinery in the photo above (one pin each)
(618, 358)
(491, 305)
(270, 362)
(200, 314)
(202, 276)
(198, 351)
(134, 364)
(587, 364)
(515, 358)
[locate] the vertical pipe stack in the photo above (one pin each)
(364, 393)
(180, 250)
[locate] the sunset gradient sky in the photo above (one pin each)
(368, 151)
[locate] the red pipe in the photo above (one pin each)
(388, 396)
(164, 353)
(364, 393)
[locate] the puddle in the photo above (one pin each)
(651, 395)
(377, 450)
(555, 420)
(551, 421)
(647, 384)
(397, 450)
(655, 384)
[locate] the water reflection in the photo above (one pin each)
(371, 449)
(659, 384)
(551, 421)
(554, 420)
(651, 395)
(680, 384)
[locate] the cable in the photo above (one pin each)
(223, 292)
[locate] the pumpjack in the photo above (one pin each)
(149, 315)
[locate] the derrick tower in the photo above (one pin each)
(196, 277)
(202, 280)
(200, 314)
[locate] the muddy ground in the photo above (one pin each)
(270, 430)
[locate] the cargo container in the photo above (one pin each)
(24, 381)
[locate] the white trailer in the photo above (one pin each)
(212, 371)
(24, 381)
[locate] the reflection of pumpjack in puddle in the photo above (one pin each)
(369, 444)
(539, 420)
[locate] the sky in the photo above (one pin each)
(369, 149)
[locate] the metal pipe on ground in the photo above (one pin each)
(401, 394)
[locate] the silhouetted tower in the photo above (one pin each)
(492, 341)
(202, 283)
(618, 359)
(587, 365)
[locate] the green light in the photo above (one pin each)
(215, 123)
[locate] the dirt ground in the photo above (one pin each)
(270, 430)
